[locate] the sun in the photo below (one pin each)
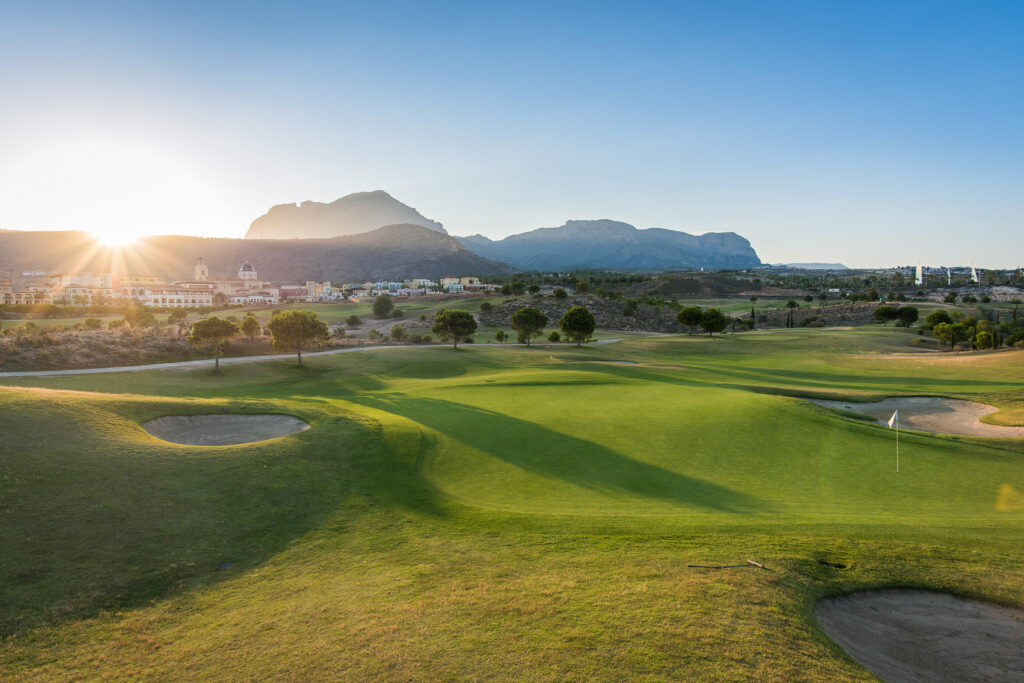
(114, 237)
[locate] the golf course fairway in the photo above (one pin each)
(499, 513)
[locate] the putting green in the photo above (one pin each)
(583, 443)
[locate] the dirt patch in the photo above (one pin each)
(930, 414)
(223, 430)
(905, 635)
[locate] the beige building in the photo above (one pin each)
(175, 296)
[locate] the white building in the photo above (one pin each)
(175, 296)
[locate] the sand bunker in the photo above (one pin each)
(223, 430)
(931, 414)
(903, 635)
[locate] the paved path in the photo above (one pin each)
(193, 364)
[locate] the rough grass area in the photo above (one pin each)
(496, 513)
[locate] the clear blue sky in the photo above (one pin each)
(871, 133)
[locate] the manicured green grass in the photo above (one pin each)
(497, 512)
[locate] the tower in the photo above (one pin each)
(247, 274)
(919, 279)
(202, 273)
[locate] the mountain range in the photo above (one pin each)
(373, 236)
(580, 244)
(606, 244)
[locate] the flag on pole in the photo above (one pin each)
(893, 419)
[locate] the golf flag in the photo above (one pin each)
(892, 419)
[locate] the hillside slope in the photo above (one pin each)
(391, 252)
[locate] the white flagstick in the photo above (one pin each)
(895, 419)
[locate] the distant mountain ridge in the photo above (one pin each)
(351, 215)
(389, 253)
(608, 244)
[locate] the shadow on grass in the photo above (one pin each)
(542, 451)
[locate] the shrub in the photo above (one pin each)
(554, 336)
(427, 339)
(499, 336)
(92, 323)
(373, 334)
(398, 333)
(486, 306)
(560, 293)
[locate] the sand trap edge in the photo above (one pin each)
(218, 429)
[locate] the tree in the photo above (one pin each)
(137, 316)
(560, 293)
(808, 298)
(486, 306)
(937, 317)
(950, 298)
(212, 333)
(577, 324)
(713, 320)
(353, 321)
(983, 340)
(499, 336)
(398, 333)
(554, 336)
(907, 315)
(791, 304)
(518, 288)
(528, 322)
(506, 290)
(883, 314)
(454, 325)
(251, 326)
(383, 305)
(823, 297)
(176, 316)
(582, 286)
(220, 299)
(296, 330)
(689, 316)
(951, 332)
(534, 288)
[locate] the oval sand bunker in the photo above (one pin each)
(223, 430)
(904, 635)
(931, 414)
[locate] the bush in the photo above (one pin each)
(427, 339)
(486, 306)
(92, 323)
(398, 333)
(554, 336)
(353, 321)
(373, 334)
(416, 338)
(560, 293)
(499, 336)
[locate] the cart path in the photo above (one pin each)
(195, 364)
